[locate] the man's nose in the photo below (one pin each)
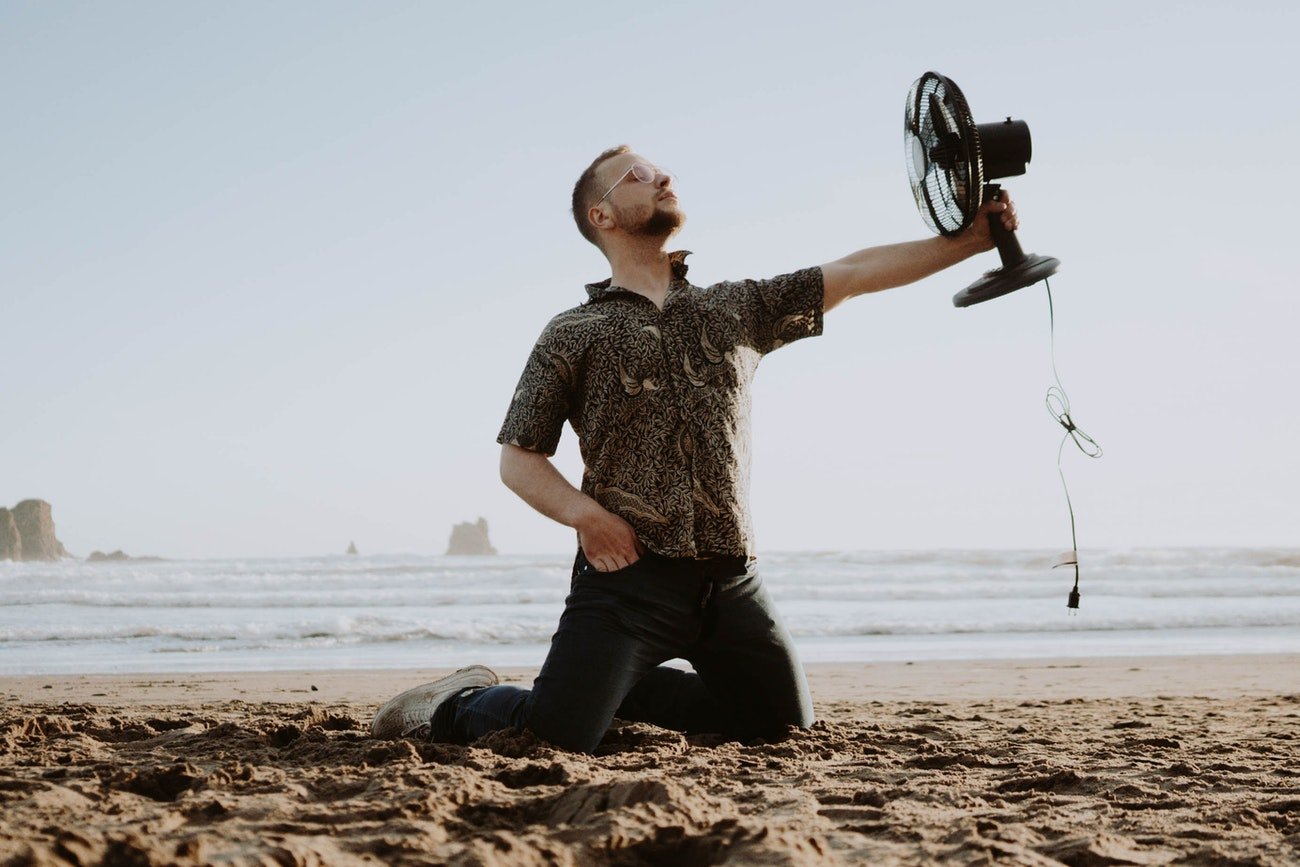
(663, 179)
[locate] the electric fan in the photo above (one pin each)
(950, 161)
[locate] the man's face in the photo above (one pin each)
(639, 208)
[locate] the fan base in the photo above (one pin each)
(1002, 281)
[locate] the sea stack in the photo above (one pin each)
(472, 539)
(352, 548)
(28, 532)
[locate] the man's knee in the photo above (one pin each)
(570, 728)
(568, 737)
(779, 725)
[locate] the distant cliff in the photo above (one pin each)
(27, 532)
(470, 538)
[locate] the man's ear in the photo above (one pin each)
(599, 217)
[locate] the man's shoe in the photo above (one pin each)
(410, 714)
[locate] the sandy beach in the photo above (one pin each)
(1152, 760)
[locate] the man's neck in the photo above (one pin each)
(645, 270)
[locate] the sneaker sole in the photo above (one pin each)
(408, 712)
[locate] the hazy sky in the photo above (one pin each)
(269, 272)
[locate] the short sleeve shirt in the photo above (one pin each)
(660, 400)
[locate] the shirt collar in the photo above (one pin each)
(604, 288)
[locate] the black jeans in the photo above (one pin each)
(616, 630)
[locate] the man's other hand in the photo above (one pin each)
(608, 542)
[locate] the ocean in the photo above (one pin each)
(408, 611)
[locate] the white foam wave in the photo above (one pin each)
(120, 610)
(489, 625)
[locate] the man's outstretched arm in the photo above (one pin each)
(891, 265)
(608, 541)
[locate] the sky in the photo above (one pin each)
(269, 272)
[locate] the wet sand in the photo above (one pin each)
(1188, 760)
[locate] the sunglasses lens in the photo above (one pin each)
(644, 173)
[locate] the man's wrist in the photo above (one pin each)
(962, 247)
(583, 509)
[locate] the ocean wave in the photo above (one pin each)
(264, 600)
(802, 624)
(112, 610)
(547, 593)
(345, 630)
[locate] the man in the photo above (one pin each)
(653, 375)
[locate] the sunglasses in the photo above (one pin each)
(646, 174)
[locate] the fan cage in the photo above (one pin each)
(948, 196)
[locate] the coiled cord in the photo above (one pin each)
(1058, 406)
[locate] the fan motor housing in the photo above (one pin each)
(1007, 148)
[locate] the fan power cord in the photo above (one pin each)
(1058, 406)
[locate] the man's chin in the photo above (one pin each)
(663, 223)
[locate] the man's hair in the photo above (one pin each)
(587, 190)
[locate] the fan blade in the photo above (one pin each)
(960, 179)
(937, 107)
(931, 192)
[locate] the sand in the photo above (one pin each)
(1146, 761)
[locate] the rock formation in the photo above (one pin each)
(101, 557)
(32, 534)
(467, 538)
(11, 544)
(352, 548)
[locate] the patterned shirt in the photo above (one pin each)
(660, 400)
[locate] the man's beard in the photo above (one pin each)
(660, 224)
